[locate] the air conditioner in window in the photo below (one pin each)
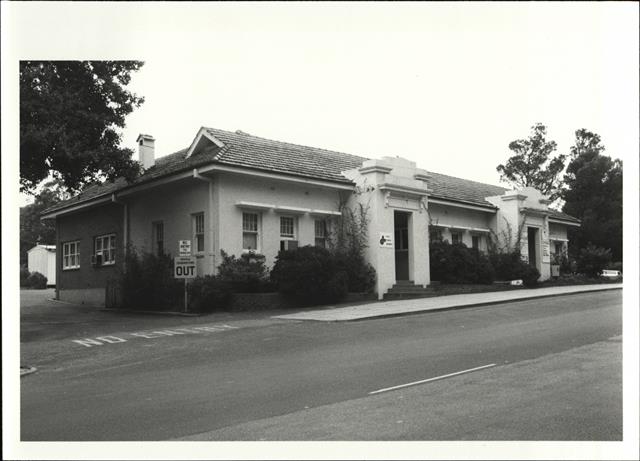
(96, 260)
(288, 244)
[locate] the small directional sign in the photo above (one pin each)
(185, 247)
(184, 267)
(386, 241)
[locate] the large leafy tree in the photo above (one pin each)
(70, 116)
(533, 164)
(32, 229)
(593, 193)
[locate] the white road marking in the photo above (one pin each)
(102, 340)
(386, 389)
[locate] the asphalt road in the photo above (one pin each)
(165, 387)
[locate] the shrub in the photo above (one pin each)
(528, 274)
(24, 275)
(591, 260)
(510, 266)
(209, 294)
(361, 276)
(455, 263)
(567, 265)
(309, 275)
(615, 266)
(37, 281)
(246, 274)
(147, 282)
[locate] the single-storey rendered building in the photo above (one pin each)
(236, 192)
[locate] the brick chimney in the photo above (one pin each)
(146, 150)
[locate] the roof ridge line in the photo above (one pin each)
(289, 143)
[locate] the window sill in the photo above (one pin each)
(76, 268)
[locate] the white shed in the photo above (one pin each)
(42, 258)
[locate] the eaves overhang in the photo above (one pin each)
(187, 172)
(564, 222)
(462, 204)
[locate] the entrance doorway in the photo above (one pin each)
(401, 236)
(532, 236)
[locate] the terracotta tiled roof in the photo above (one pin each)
(562, 216)
(248, 151)
(463, 190)
(252, 151)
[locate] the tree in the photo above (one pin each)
(593, 193)
(70, 113)
(532, 164)
(32, 229)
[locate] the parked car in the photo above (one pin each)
(611, 273)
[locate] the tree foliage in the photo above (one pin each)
(533, 164)
(32, 229)
(593, 194)
(70, 113)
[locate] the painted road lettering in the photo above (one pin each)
(110, 339)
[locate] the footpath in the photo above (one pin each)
(379, 309)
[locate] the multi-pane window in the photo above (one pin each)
(321, 233)
(435, 234)
(158, 238)
(198, 231)
(105, 249)
(558, 246)
(475, 242)
(287, 227)
(250, 231)
(71, 255)
(456, 237)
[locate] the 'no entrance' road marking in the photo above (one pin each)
(102, 340)
(386, 389)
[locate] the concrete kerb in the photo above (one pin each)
(24, 371)
(479, 304)
(401, 313)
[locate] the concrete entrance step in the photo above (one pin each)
(407, 289)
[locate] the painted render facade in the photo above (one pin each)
(236, 192)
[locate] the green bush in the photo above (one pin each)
(209, 294)
(361, 276)
(455, 263)
(147, 282)
(309, 275)
(37, 281)
(246, 274)
(567, 265)
(615, 266)
(528, 274)
(24, 275)
(591, 260)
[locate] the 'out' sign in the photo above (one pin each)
(184, 267)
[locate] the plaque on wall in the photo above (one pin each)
(386, 240)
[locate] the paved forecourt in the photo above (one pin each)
(408, 306)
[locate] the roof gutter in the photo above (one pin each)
(96, 201)
(461, 204)
(566, 223)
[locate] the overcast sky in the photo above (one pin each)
(446, 85)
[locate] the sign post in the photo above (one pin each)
(184, 267)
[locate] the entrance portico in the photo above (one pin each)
(393, 192)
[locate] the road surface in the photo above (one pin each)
(546, 369)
